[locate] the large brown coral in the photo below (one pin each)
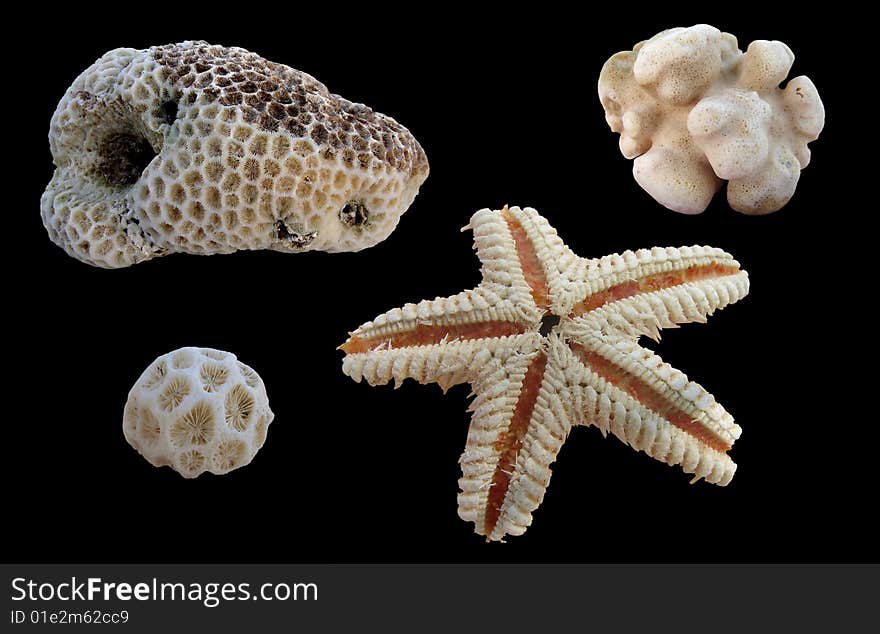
(204, 149)
(693, 111)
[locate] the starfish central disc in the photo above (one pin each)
(549, 340)
(548, 323)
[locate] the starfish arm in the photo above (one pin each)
(509, 267)
(518, 425)
(647, 313)
(472, 314)
(649, 405)
(638, 293)
(446, 363)
(545, 259)
(502, 304)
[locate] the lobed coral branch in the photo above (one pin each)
(695, 111)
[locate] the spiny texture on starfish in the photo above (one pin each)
(548, 340)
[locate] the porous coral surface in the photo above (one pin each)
(197, 410)
(693, 111)
(204, 149)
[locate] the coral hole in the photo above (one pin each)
(122, 157)
(354, 213)
(169, 111)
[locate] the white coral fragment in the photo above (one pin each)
(693, 111)
(194, 148)
(197, 410)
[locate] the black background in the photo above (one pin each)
(505, 106)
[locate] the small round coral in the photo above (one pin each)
(197, 410)
(693, 111)
(204, 149)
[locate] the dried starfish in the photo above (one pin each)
(549, 340)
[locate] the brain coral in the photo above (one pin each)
(197, 410)
(694, 110)
(203, 149)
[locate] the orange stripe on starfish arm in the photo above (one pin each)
(650, 283)
(529, 261)
(648, 396)
(429, 334)
(510, 442)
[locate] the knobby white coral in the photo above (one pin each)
(693, 110)
(197, 410)
(203, 149)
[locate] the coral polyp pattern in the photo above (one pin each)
(548, 341)
(204, 149)
(197, 410)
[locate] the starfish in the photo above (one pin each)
(549, 340)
